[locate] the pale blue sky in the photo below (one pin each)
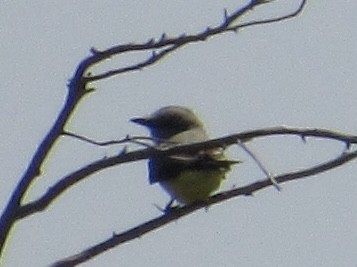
(298, 73)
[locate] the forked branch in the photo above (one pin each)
(80, 86)
(138, 231)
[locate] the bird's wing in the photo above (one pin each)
(167, 167)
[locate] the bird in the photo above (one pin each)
(186, 177)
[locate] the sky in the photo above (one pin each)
(299, 73)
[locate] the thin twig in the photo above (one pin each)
(260, 165)
(169, 45)
(102, 164)
(127, 139)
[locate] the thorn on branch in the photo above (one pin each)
(153, 54)
(226, 16)
(123, 151)
(303, 138)
(163, 37)
(95, 51)
(150, 42)
(348, 145)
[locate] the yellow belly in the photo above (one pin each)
(194, 186)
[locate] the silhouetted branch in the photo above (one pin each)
(140, 230)
(79, 86)
(128, 139)
(126, 157)
(9, 215)
(165, 45)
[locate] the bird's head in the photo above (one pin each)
(169, 121)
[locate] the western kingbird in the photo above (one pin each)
(190, 177)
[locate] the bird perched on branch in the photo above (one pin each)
(187, 177)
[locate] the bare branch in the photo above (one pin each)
(80, 86)
(77, 176)
(127, 139)
(33, 170)
(273, 20)
(165, 46)
(118, 239)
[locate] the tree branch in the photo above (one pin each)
(168, 45)
(8, 216)
(149, 226)
(79, 86)
(126, 157)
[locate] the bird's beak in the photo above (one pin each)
(142, 121)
